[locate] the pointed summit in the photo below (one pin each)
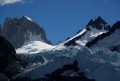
(91, 22)
(98, 23)
(99, 20)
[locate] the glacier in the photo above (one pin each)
(99, 64)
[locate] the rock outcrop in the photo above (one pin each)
(9, 64)
(19, 30)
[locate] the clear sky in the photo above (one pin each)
(61, 18)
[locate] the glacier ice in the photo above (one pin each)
(99, 64)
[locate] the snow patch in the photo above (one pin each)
(34, 47)
(28, 18)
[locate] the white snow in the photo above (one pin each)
(80, 33)
(28, 18)
(34, 44)
(61, 45)
(34, 47)
(90, 35)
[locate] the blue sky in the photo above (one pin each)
(61, 18)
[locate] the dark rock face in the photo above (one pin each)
(17, 31)
(57, 75)
(98, 23)
(100, 37)
(0, 29)
(3, 77)
(8, 59)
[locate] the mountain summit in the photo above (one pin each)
(93, 29)
(18, 31)
(98, 23)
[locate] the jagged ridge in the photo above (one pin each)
(103, 36)
(19, 30)
(92, 30)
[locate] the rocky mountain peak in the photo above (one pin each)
(90, 23)
(19, 30)
(98, 23)
(100, 20)
(91, 31)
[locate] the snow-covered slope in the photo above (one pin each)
(62, 45)
(34, 47)
(87, 34)
(34, 44)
